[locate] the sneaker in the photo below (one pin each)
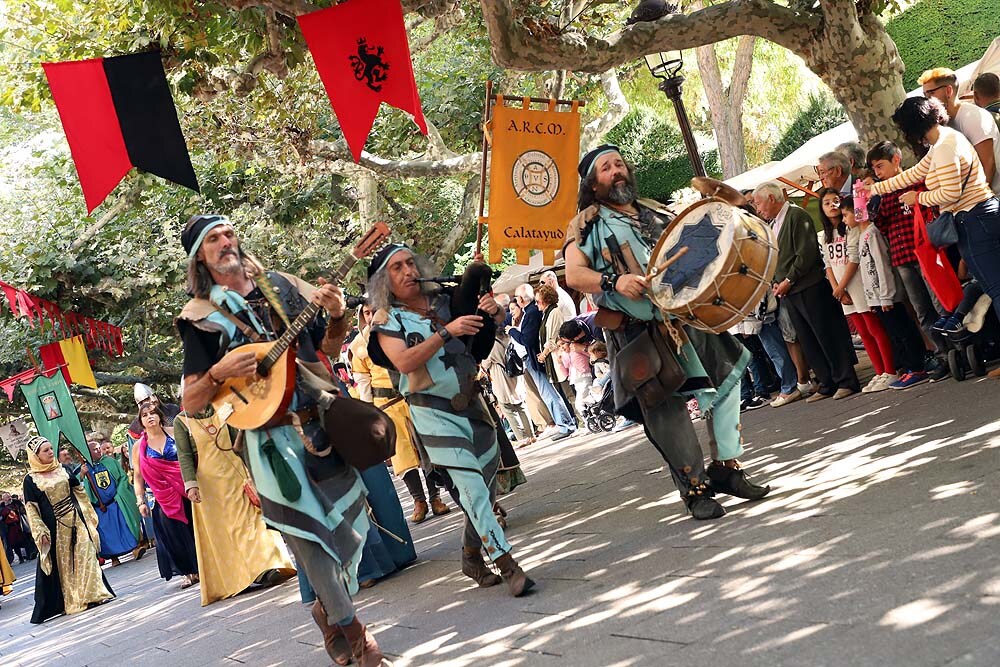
(549, 432)
(752, 404)
(857, 342)
(626, 423)
(785, 399)
(874, 382)
(561, 436)
(884, 381)
(940, 322)
(807, 388)
(908, 380)
(974, 320)
(951, 325)
(939, 372)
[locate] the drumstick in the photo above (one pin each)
(665, 264)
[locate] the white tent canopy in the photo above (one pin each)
(799, 167)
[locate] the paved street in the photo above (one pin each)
(877, 546)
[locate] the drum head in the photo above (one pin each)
(707, 229)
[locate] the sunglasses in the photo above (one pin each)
(927, 93)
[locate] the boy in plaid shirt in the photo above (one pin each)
(895, 221)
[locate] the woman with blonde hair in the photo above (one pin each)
(68, 578)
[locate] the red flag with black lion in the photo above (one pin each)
(363, 58)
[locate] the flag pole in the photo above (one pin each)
(482, 168)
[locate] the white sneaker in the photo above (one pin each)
(973, 322)
(807, 388)
(549, 432)
(874, 382)
(884, 381)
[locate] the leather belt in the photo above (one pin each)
(384, 392)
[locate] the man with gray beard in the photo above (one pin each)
(608, 247)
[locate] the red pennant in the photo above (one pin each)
(363, 58)
(11, 293)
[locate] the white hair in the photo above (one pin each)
(770, 189)
(837, 159)
(528, 290)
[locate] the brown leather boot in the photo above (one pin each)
(364, 648)
(474, 567)
(438, 506)
(334, 640)
(518, 583)
(419, 511)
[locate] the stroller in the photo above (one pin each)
(977, 343)
(595, 414)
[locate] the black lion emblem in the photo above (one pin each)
(369, 66)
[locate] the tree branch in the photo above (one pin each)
(123, 202)
(467, 217)
(742, 66)
(515, 46)
(414, 168)
(618, 108)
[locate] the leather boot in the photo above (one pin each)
(474, 567)
(439, 507)
(364, 648)
(518, 583)
(700, 503)
(734, 481)
(419, 511)
(334, 640)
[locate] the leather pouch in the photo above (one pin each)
(648, 370)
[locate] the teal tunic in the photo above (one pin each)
(711, 399)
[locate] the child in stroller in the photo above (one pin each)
(598, 411)
(972, 332)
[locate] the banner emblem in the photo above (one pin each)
(369, 66)
(536, 178)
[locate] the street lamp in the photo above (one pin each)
(666, 66)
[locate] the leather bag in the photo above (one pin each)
(648, 369)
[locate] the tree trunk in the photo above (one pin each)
(862, 67)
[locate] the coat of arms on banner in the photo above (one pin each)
(15, 436)
(533, 179)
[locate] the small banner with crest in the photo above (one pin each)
(533, 179)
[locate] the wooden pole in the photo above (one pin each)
(482, 168)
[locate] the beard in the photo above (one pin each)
(621, 192)
(229, 263)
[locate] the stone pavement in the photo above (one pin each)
(877, 546)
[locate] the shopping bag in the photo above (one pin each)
(934, 265)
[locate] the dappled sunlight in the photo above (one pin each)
(914, 613)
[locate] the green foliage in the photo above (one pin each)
(659, 179)
(822, 113)
(942, 33)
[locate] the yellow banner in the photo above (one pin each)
(533, 179)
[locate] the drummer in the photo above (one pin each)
(607, 249)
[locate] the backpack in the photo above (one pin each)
(513, 364)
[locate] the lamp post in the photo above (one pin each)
(666, 66)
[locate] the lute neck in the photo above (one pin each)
(292, 332)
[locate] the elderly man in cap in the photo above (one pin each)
(418, 332)
(306, 490)
(608, 246)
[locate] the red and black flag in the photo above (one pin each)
(118, 113)
(363, 58)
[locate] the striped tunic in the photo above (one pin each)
(944, 168)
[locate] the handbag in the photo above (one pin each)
(941, 231)
(647, 369)
(934, 265)
(513, 364)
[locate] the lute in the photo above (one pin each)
(262, 399)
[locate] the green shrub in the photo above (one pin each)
(822, 113)
(659, 179)
(942, 33)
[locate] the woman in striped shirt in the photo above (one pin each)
(955, 182)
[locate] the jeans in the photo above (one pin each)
(774, 343)
(557, 408)
(924, 302)
(979, 245)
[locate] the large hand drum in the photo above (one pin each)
(723, 274)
